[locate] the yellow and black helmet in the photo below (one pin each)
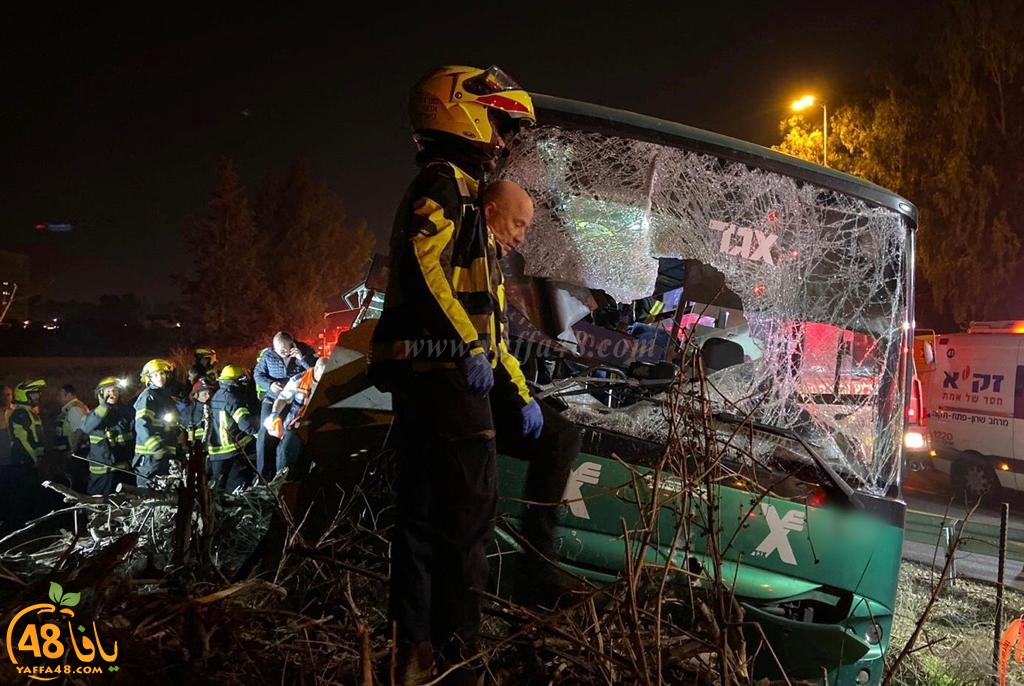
(200, 353)
(231, 373)
(26, 388)
(108, 382)
(469, 103)
(155, 366)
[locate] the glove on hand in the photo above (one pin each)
(479, 374)
(533, 420)
(274, 426)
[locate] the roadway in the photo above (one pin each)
(930, 507)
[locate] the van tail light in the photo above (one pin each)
(915, 408)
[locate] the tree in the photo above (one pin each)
(314, 253)
(227, 296)
(943, 133)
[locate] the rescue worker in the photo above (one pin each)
(436, 348)
(26, 435)
(109, 428)
(274, 366)
(205, 359)
(69, 437)
(196, 418)
(6, 408)
(288, 410)
(232, 430)
(157, 429)
(552, 449)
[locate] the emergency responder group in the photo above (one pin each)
(117, 441)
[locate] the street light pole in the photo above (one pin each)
(805, 102)
(824, 136)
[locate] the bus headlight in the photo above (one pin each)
(914, 440)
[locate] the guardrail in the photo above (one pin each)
(934, 529)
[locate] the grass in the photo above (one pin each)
(959, 630)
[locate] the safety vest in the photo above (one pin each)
(26, 435)
(301, 400)
(62, 439)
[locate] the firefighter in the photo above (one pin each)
(157, 428)
(233, 427)
(21, 474)
(196, 418)
(205, 359)
(274, 366)
(109, 428)
(435, 348)
(288, 411)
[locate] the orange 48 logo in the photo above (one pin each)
(29, 640)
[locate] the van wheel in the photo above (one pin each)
(976, 480)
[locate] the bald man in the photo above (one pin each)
(508, 210)
(550, 448)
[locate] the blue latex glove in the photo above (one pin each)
(533, 420)
(479, 374)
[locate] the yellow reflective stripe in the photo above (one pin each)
(239, 413)
(223, 449)
(511, 365)
(96, 439)
(471, 279)
(97, 469)
(428, 251)
(139, 414)
(222, 428)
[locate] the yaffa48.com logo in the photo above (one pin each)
(45, 648)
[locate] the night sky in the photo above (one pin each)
(115, 123)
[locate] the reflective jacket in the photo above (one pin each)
(69, 421)
(109, 428)
(195, 420)
(272, 368)
(233, 424)
(26, 432)
(445, 296)
(156, 423)
(297, 393)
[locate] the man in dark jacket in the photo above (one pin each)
(232, 428)
(109, 428)
(274, 367)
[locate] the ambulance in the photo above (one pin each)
(973, 389)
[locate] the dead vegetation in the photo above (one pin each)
(287, 583)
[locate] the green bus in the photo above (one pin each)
(729, 327)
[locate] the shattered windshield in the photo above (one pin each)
(794, 294)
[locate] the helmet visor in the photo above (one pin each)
(492, 80)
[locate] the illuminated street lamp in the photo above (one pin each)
(802, 104)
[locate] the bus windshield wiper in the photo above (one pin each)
(838, 481)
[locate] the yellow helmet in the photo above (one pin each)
(232, 372)
(155, 366)
(206, 352)
(25, 388)
(108, 382)
(460, 101)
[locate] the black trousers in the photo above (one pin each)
(103, 484)
(446, 494)
(550, 460)
(232, 473)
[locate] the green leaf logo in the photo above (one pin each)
(55, 592)
(58, 595)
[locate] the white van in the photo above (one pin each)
(974, 398)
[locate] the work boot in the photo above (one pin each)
(414, 663)
(542, 584)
